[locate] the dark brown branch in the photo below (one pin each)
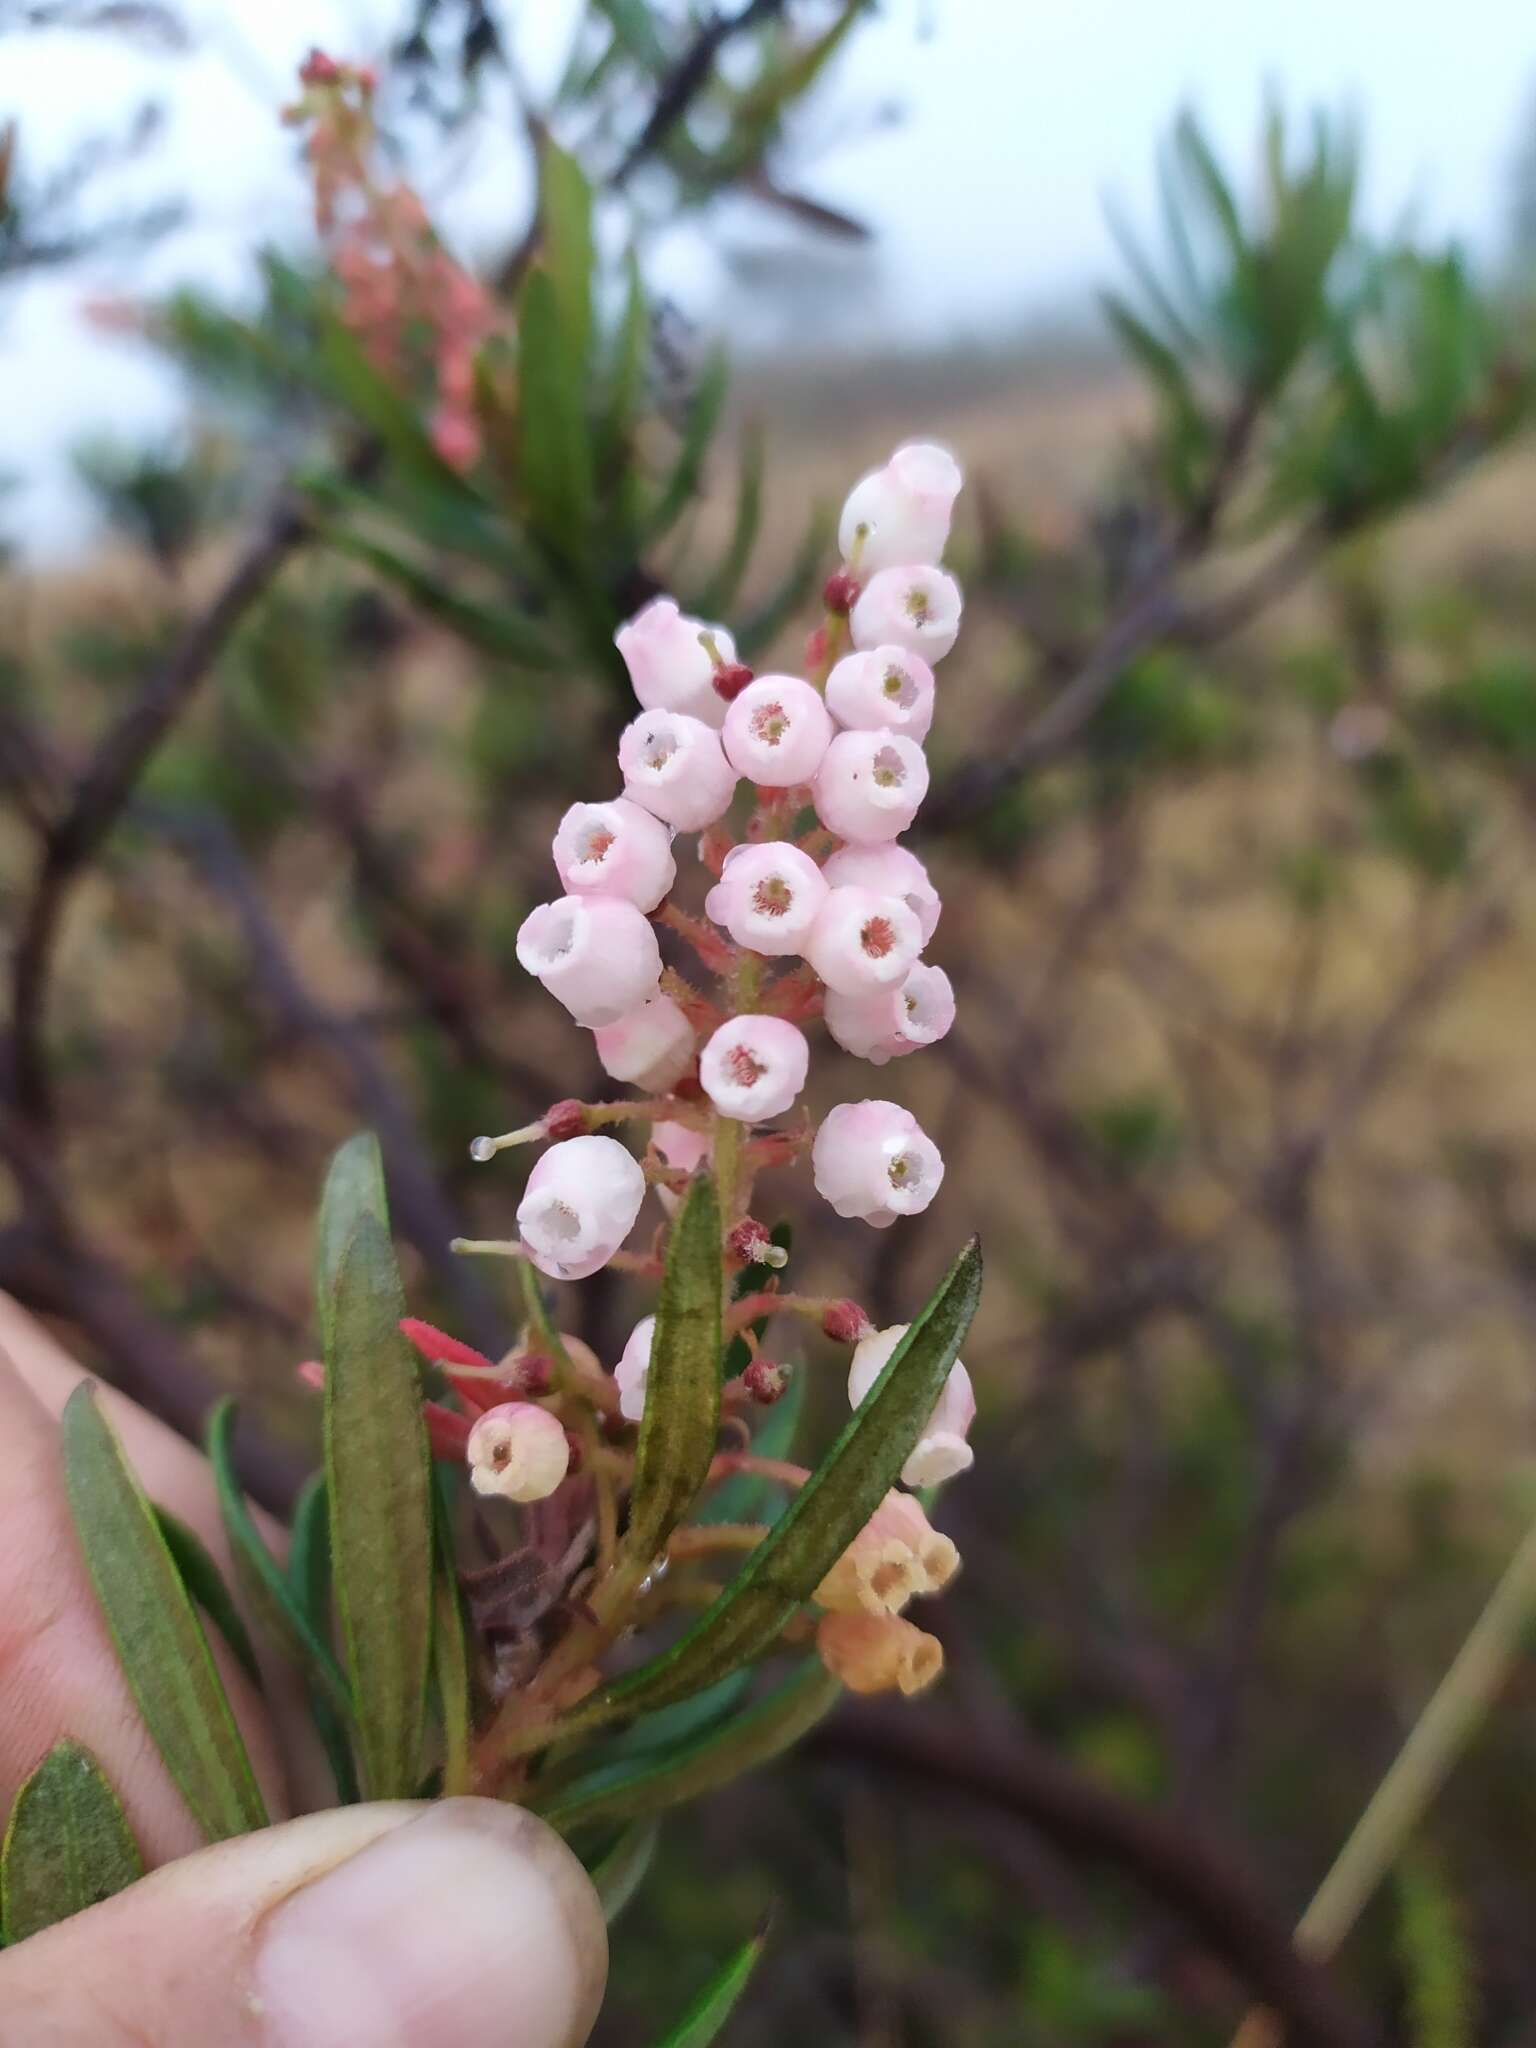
(1182, 1870)
(688, 78)
(53, 1270)
(106, 787)
(420, 1206)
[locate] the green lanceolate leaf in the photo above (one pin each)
(309, 1582)
(682, 1408)
(378, 1478)
(620, 1874)
(160, 1642)
(494, 629)
(702, 2023)
(682, 485)
(266, 1587)
(67, 1846)
(556, 451)
(450, 1648)
(565, 206)
(646, 1785)
(829, 1511)
(354, 1188)
(205, 1582)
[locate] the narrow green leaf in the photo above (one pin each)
(556, 452)
(159, 1639)
(354, 1188)
(494, 629)
(719, 594)
(268, 1592)
(622, 1871)
(566, 218)
(67, 1845)
(393, 418)
(826, 1515)
(309, 1580)
(450, 1648)
(205, 1582)
(631, 358)
(682, 1409)
(682, 485)
(761, 627)
(634, 26)
(648, 1785)
(378, 1477)
(702, 2023)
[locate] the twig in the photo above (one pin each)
(106, 786)
(1181, 1869)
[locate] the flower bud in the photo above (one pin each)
(565, 1119)
(651, 1047)
(518, 1451)
(870, 785)
(753, 1068)
(861, 942)
(674, 767)
(901, 513)
(580, 1204)
(747, 1243)
(942, 1451)
(633, 1369)
(681, 1146)
(595, 954)
(845, 1322)
(840, 593)
(884, 1026)
(883, 688)
(776, 732)
(669, 664)
(878, 1653)
(615, 849)
(768, 897)
(889, 870)
(766, 1381)
(873, 1160)
(917, 607)
(896, 1557)
(731, 680)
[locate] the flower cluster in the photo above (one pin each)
(812, 908)
(413, 306)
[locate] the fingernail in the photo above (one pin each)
(470, 1924)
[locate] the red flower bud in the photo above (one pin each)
(533, 1374)
(567, 1119)
(319, 69)
(840, 593)
(731, 678)
(765, 1380)
(846, 1323)
(748, 1241)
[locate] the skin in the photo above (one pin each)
(397, 1925)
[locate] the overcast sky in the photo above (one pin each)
(1019, 116)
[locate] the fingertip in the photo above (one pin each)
(471, 1923)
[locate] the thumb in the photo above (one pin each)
(446, 1926)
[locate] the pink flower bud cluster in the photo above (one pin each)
(416, 310)
(812, 906)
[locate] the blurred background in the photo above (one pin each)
(305, 643)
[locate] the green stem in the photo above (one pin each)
(1456, 1708)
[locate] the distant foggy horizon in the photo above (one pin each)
(987, 198)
